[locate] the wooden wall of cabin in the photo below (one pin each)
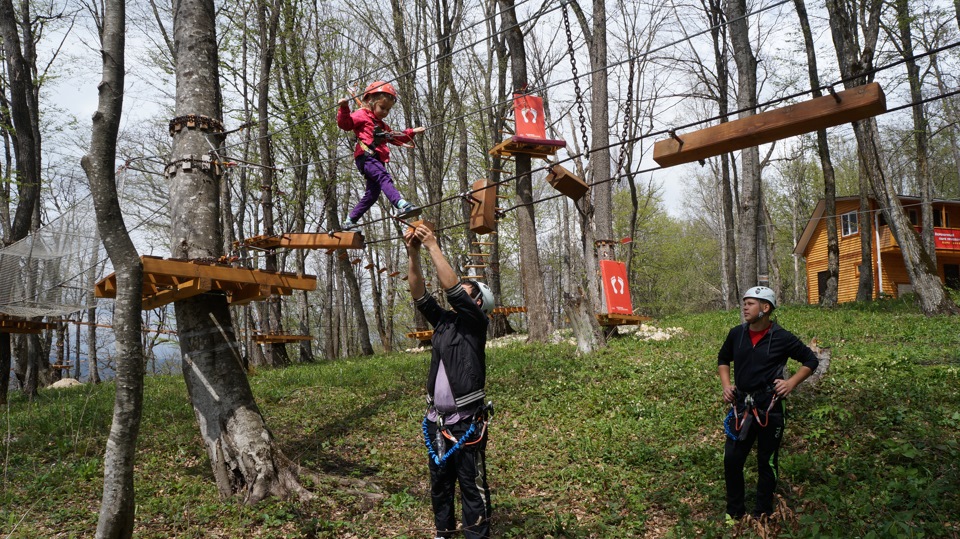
(892, 269)
(849, 257)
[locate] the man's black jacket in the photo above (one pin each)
(459, 339)
(758, 366)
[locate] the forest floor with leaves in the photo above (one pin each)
(626, 442)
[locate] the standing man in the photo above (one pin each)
(759, 347)
(455, 425)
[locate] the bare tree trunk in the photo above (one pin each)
(582, 294)
(844, 26)
(76, 347)
(362, 332)
(750, 217)
(26, 124)
(93, 374)
(242, 452)
(865, 282)
(921, 133)
(5, 347)
(276, 353)
(950, 112)
(926, 282)
(718, 31)
(601, 190)
(540, 327)
(496, 66)
(853, 64)
(829, 296)
(117, 507)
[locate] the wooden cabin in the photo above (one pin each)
(890, 275)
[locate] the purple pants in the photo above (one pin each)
(378, 179)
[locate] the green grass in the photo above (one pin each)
(623, 443)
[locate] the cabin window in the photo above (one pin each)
(939, 219)
(849, 223)
(914, 217)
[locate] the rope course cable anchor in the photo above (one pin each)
(195, 121)
(204, 162)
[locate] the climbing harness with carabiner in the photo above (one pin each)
(741, 422)
(481, 418)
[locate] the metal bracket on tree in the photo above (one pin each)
(195, 121)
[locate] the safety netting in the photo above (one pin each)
(52, 271)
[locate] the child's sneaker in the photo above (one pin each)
(350, 226)
(406, 210)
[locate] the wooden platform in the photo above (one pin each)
(812, 115)
(168, 280)
(509, 310)
(273, 338)
(533, 147)
(320, 240)
(19, 325)
(621, 319)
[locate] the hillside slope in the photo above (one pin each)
(624, 443)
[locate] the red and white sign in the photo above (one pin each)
(947, 238)
(616, 288)
(528, 113)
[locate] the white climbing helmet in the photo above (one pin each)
(486, 295)
(762, 292)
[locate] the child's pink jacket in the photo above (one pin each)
(362, 122)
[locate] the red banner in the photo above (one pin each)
(947, 238)
(616, 288)
(528, 113)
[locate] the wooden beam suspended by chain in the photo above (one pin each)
(812, 115)
(166, 281)
(320, 240)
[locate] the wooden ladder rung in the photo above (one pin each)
(475, 266)
(474, 277)
(482, 242)
(479, 254)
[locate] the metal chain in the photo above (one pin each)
(576, 83)
(627, 113)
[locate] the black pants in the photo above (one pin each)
(768, 448)
(468, 466)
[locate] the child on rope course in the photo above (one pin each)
(454, 427)
(759, 348)
(371, 153)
